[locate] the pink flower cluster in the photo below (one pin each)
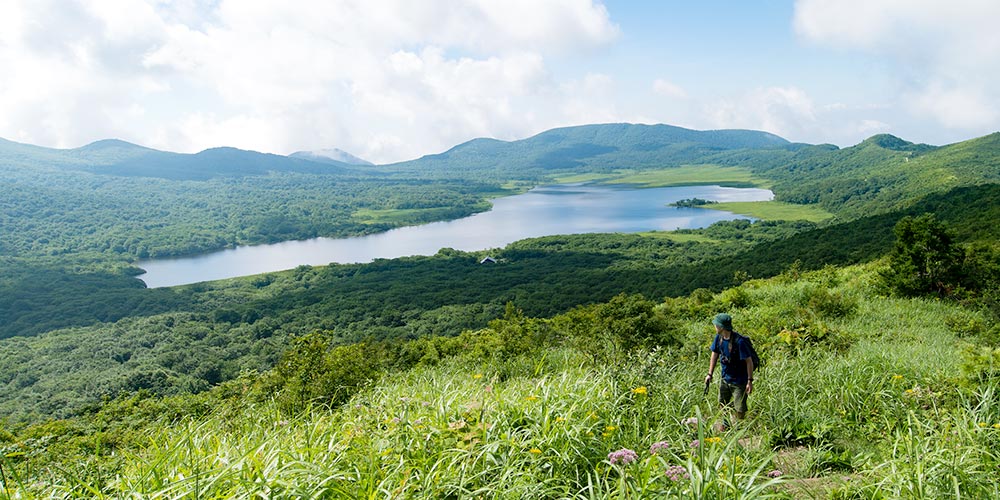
(662, 445)
(677, 472)
(623, 456)
(775, 473)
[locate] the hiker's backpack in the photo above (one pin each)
(753, 352)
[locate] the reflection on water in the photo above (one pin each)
(548, 210)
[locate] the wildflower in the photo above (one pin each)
(395, 420)
(623, 456)
(535, 451)
(695, 443)
(655, 447)
(983, 424)
(532, 398)
(640, 390)
(610, 428)
(713, 440)
(283, 423)
(457, 425)
(488, 389)
(560, 420)
(425, 404)
(592, 415)
(692, 421)
(677, 472)
(996, 426)
(477, 376)
(775, 473)
(897, 377)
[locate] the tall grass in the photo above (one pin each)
(865, 400)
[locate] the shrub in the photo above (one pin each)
(826, 303)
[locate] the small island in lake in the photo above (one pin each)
(692, 202)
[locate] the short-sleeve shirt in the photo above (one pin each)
(734, 366)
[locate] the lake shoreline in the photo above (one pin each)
(541, 211)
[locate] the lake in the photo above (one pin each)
(542, 211)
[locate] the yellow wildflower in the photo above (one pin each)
(535, 451)
(592, 415)
(713, 439)
(983, 424)
(477, 376)
(560, 420)
(610, 428)
(996, 426)
(897, 377)
(640, 390)
(532, 398)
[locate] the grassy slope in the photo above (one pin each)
(774, 210)
(842, 397)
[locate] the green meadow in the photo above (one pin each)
(399, 216)
(773, 210)
(686, 175)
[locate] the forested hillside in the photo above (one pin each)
(590, 148)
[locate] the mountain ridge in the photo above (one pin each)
(124, 159)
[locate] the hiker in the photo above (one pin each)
(734, 351)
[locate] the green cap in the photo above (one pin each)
(724, 321)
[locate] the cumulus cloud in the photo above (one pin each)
(950, 51)
(386, 79)
(785, 111)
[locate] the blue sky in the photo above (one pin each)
(390, 80)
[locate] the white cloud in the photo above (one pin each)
(792, 113)
(587, 100)
(958, 107)
(389, 79)
(949, 51)
(669, 89)
(785, 111)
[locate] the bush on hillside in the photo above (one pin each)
(313, 372)
(610, 331)
(924, 259)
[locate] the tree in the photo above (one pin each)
(924, 259)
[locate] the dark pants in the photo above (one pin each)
(734, 395)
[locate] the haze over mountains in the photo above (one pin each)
(334, 155)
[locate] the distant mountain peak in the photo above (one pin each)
(335, 154)
(110, 144)
(893, 143)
